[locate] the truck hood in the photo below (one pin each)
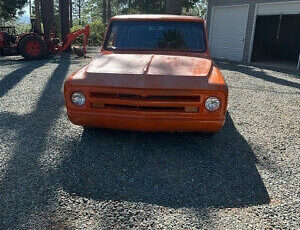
(148, 71)
(149, 64)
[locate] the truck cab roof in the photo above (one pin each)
(158, 17)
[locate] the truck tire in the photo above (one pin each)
(33, 47)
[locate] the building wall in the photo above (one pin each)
(251, 18)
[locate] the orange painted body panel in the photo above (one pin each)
(148, 91)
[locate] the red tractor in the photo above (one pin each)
(36, 46)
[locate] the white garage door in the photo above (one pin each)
(228, 31)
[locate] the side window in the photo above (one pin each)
(112, 38)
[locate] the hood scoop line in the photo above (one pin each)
(147, 67)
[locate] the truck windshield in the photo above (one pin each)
(156, 35)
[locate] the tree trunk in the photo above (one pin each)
(104, 11)
(174, 6)
(37, 26)
(29, 5)
(79, 11)
(108, 9)
(64, 8)
(47, 8)
(71, 13)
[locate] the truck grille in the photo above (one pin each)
(145, 98)
(146, 108)
(143, 102)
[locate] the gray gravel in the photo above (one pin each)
(54, 175)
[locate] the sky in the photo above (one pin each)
(25, 17)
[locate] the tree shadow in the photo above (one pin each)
(12, 79)
(173, 170)
(257, 74)
(25, 187)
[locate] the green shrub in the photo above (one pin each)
(97, 33)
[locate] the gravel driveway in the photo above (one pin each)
(54, 175)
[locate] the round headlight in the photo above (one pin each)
(78, 98)
(212, 104)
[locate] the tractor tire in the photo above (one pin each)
(33, 47)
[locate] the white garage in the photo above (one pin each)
(254, 30)
(228, 31)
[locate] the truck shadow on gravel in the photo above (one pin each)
(173, 170)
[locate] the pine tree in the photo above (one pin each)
(9, 8)
(104, 11)
(64, 9)
(71, 13)
(108, 9)
(47, 9)
(37, 11)
(174, 6)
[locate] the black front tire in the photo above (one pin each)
(39, 53)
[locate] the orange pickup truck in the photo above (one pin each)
(154, 73)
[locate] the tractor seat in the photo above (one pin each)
(9, 38)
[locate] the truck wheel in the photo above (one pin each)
(33, 47)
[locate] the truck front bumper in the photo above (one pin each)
(144, 123)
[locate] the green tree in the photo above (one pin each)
(198, 9)
(174, 6)
(47, 9)
(154, 6)
(190, 4)
(141, 6)
(95, 13)
(108, 9)
(64, 10)
(104, 11)
(37, 11)
(9, 8)
(71, 13)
